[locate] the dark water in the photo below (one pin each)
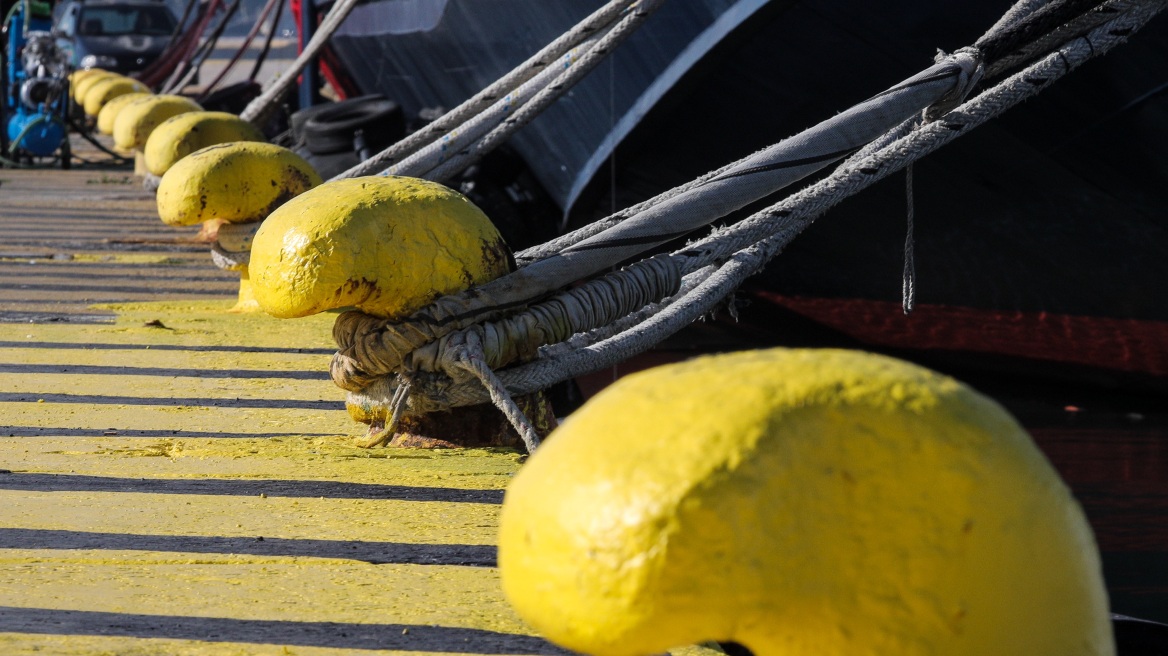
(1118, 470)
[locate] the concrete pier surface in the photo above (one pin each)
(177, 479)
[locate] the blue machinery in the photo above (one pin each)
(35, 85)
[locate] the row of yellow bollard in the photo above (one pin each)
(797, 502)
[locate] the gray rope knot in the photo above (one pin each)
(972, 67)
(376, 396)
(229, 260)
(232, 249)
(369, 347)
(467, 354)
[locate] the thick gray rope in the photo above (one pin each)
(582, 339)
(232, 249)
(470, 358)
(714, 248)
(540, 251)
(229, 260)
(1020, 11)
(361, 359)
(487, 97)
(385, 391)
(767, 232)
(397, 405)
(257, 110)
(467, 358)
(451, 146)
(1013, 15)
(1075, 28)
(760, 175)
(638, 14)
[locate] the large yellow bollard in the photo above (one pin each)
(108, 89)
(386, 246)
(109, 111)
(186, 133)
(800, 502)
(234, 183)
(137, 120)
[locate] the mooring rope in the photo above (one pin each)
(186, 72)
(1074, 28)
(757, 239)
(258, 109)
(596, 21)
(363, 357)
(748, 180)
(589, 58)
(452, 146)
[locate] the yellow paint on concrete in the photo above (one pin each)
(801, 502)
(64, 439)
(299, 589)
(386, 245)
(332, 458)
(131, 258)
(262, 589)
(40, 645)
(373, 520)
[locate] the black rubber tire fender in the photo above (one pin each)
(332, 129)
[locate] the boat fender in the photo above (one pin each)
(299, 118)
(334, 129)
(231, 98)
(799, 502)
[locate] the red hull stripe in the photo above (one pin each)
(1118, 344)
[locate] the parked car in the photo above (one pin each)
(122, 36)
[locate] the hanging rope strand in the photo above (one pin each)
(239, 52)
(263, 54)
